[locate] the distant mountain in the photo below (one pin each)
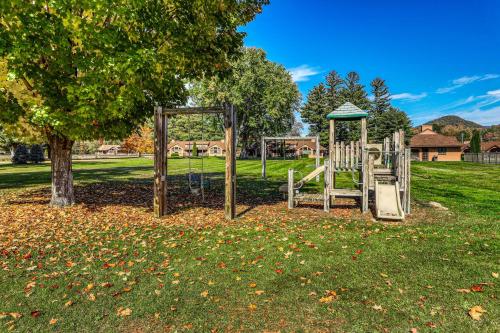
(454, 121)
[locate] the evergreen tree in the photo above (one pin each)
(195, 150)
(354, 92)
(36, 154)
(475, 142)
(380, 104)
(381, 98)
(391, 121)
(315, 110)
(20, 155)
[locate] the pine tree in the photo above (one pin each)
(20, 155)
(315, 110)
(391, 121)
(353, 92)
(36, 154)
(381, 103)
(381, 97)
(475, 142)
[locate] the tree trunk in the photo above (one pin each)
(62, 173)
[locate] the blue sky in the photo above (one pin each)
(438, 57)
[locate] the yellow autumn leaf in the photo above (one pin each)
(259, 292)
(326, 299)
(204, 293)
(252, 285)
(494, 274)
(476, 312)
(252, 307)
(53, 321)
(121, 312)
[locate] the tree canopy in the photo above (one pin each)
(263, 92)
(98, 66)
(335, 91)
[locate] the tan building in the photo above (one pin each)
(486, 147)
(296, 148)
(205, 148)
(431, 146)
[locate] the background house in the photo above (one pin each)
(205, 148)
(486, 147)
(294, 148)
(431, 146)
(109, 149)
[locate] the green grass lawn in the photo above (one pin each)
(82, 271)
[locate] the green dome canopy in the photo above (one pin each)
(347, 111)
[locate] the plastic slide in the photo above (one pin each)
(388, 202)
(307, 178)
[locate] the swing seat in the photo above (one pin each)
(196, 184)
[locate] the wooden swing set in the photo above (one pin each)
(161, 117)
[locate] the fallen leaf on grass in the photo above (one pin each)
(476, 312)
(53, 321)
(259, 292)
(252, 285)
(327, 299)
(495, 275)
(377, 307)
(15, 315)
(252, 307)
(477, 288)
(91, 297)
(121, 312)
(465, 291)
(68, 304)
(430, 324)
(204, 293)
(36, 314)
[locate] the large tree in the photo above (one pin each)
(380, 104)
(263, 92)
(390, 121)
(326, 97)
(315, 110)
(98, 66)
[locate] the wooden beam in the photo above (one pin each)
(230, 177)
(160, 163)
(326, 189)
(318, 152)
(331, 151)
(364, 168)
(290, 189)
(193, 110)
(263, 153)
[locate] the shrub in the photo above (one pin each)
(20, 155)
(36, 154)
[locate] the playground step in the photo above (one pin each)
(345, 193)
(309, 197)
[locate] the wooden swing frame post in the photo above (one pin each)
(161, 115)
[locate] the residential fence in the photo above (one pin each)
(98, 156)
(484, 158)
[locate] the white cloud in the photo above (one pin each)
(465, 80)
(495, 93)
(409, 96)
(483, 117)
(303, 73)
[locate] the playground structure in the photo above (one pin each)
(196, 181)
(388, 183)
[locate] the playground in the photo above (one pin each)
(107, 264)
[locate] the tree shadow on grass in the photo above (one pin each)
(131, 191)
